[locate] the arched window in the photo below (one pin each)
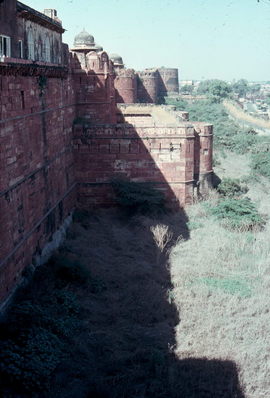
(31, 45)
(47, 50)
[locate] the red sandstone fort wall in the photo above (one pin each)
(168, 81)
(147, 87)
(126, 86)
(162, 156)
(94, 89)
(37, 182)
(63, 140)
(8, 23)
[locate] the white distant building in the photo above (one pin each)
(187, 82)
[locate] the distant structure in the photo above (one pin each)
(64, 138)
(148, 86)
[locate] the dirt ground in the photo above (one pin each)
(177, 307)
(131, 343)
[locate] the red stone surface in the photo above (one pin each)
(158, 155)
(8, 23)
(126, 86)
(37, 182)
(148, 81)
(62, 141)
(168, 81)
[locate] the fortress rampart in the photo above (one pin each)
(126, 86)
(63, 138)
(148, 86)
(168, 81)
(37, 181)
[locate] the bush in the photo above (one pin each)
(227, 133)
(34, 339)
(216, 162)
(231, 187)
(215, 89)
(35, 333)
(138, 197)
(260, 163)
(69, 270)
(179, 103)
(28, 363)
(245, 141)
(81, 216)
(238, 214)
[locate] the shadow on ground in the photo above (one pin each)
(126, 347)
(123, 345)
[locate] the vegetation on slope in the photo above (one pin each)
(221, 275)
(221, 284)
(101, 319)
(228, 135)
(36, 334)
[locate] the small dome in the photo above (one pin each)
(84, 39)
(98, 48)
(116, 59)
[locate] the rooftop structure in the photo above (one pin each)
(117, 60)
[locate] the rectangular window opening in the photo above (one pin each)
(5, 46)
(22, 100)
(20, 48)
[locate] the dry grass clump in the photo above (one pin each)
(162, 235)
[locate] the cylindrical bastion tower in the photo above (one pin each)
(168, 81)
(148, 86)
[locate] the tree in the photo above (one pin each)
(241, 87)
(187, 89)
(255, 88)
(267, 99)
(215, 89)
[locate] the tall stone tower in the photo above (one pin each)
(125, 82)
(168, 82)
(94, 76)
(148, 86)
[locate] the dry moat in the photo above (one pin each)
(99, 319)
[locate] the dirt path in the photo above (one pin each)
(262, 126)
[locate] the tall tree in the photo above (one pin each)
(241, 87)
(215, 89)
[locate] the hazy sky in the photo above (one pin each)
(224, 39)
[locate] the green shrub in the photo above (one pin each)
(231, 187)
(244, 141)
(238, 214)
(194, 225)
(216, 161)
(81, 216)
(69, 270)
(179, 103)
(216, 90)
(260, 163)
(35, 333)
(138, 197)
(232, 286)
(29, 362)
(227, 133)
